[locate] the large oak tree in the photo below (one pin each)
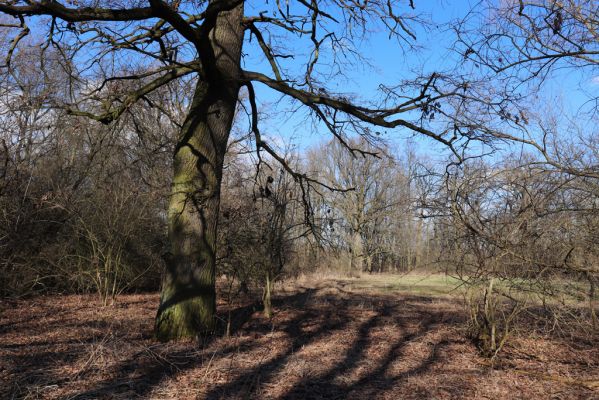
(118, 52)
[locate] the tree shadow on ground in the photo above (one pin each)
(337, 316)
(308, 319)
(140, 373)
(312, 320)
(323, 343)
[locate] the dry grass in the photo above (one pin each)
(333, 339)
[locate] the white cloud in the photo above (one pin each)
(595, 80)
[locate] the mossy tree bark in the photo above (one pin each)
(188, 296)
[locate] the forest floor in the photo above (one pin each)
(371, 338)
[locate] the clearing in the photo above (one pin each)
(377, 337)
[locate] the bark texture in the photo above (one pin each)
(188, 298)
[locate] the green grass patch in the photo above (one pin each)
(417, 284)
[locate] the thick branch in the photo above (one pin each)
(266, 50)
(162, 10)
(55, 9)
(133, 97)
(371, 116)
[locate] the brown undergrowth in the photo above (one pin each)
(325, 341)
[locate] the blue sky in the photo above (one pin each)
(392, 62)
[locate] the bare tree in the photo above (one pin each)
(514, 47)
(73, 191)
(518, 235)
(373, 199)
(118, 54)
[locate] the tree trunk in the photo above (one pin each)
(368, 260)
(357, 256)
(266, 298)
(188, 296)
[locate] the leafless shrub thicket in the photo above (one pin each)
(82, 204)
(261, 224)
(522, 237)
(522, 228)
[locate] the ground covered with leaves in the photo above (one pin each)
(331, 340)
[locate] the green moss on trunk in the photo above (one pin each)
(187, 318)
